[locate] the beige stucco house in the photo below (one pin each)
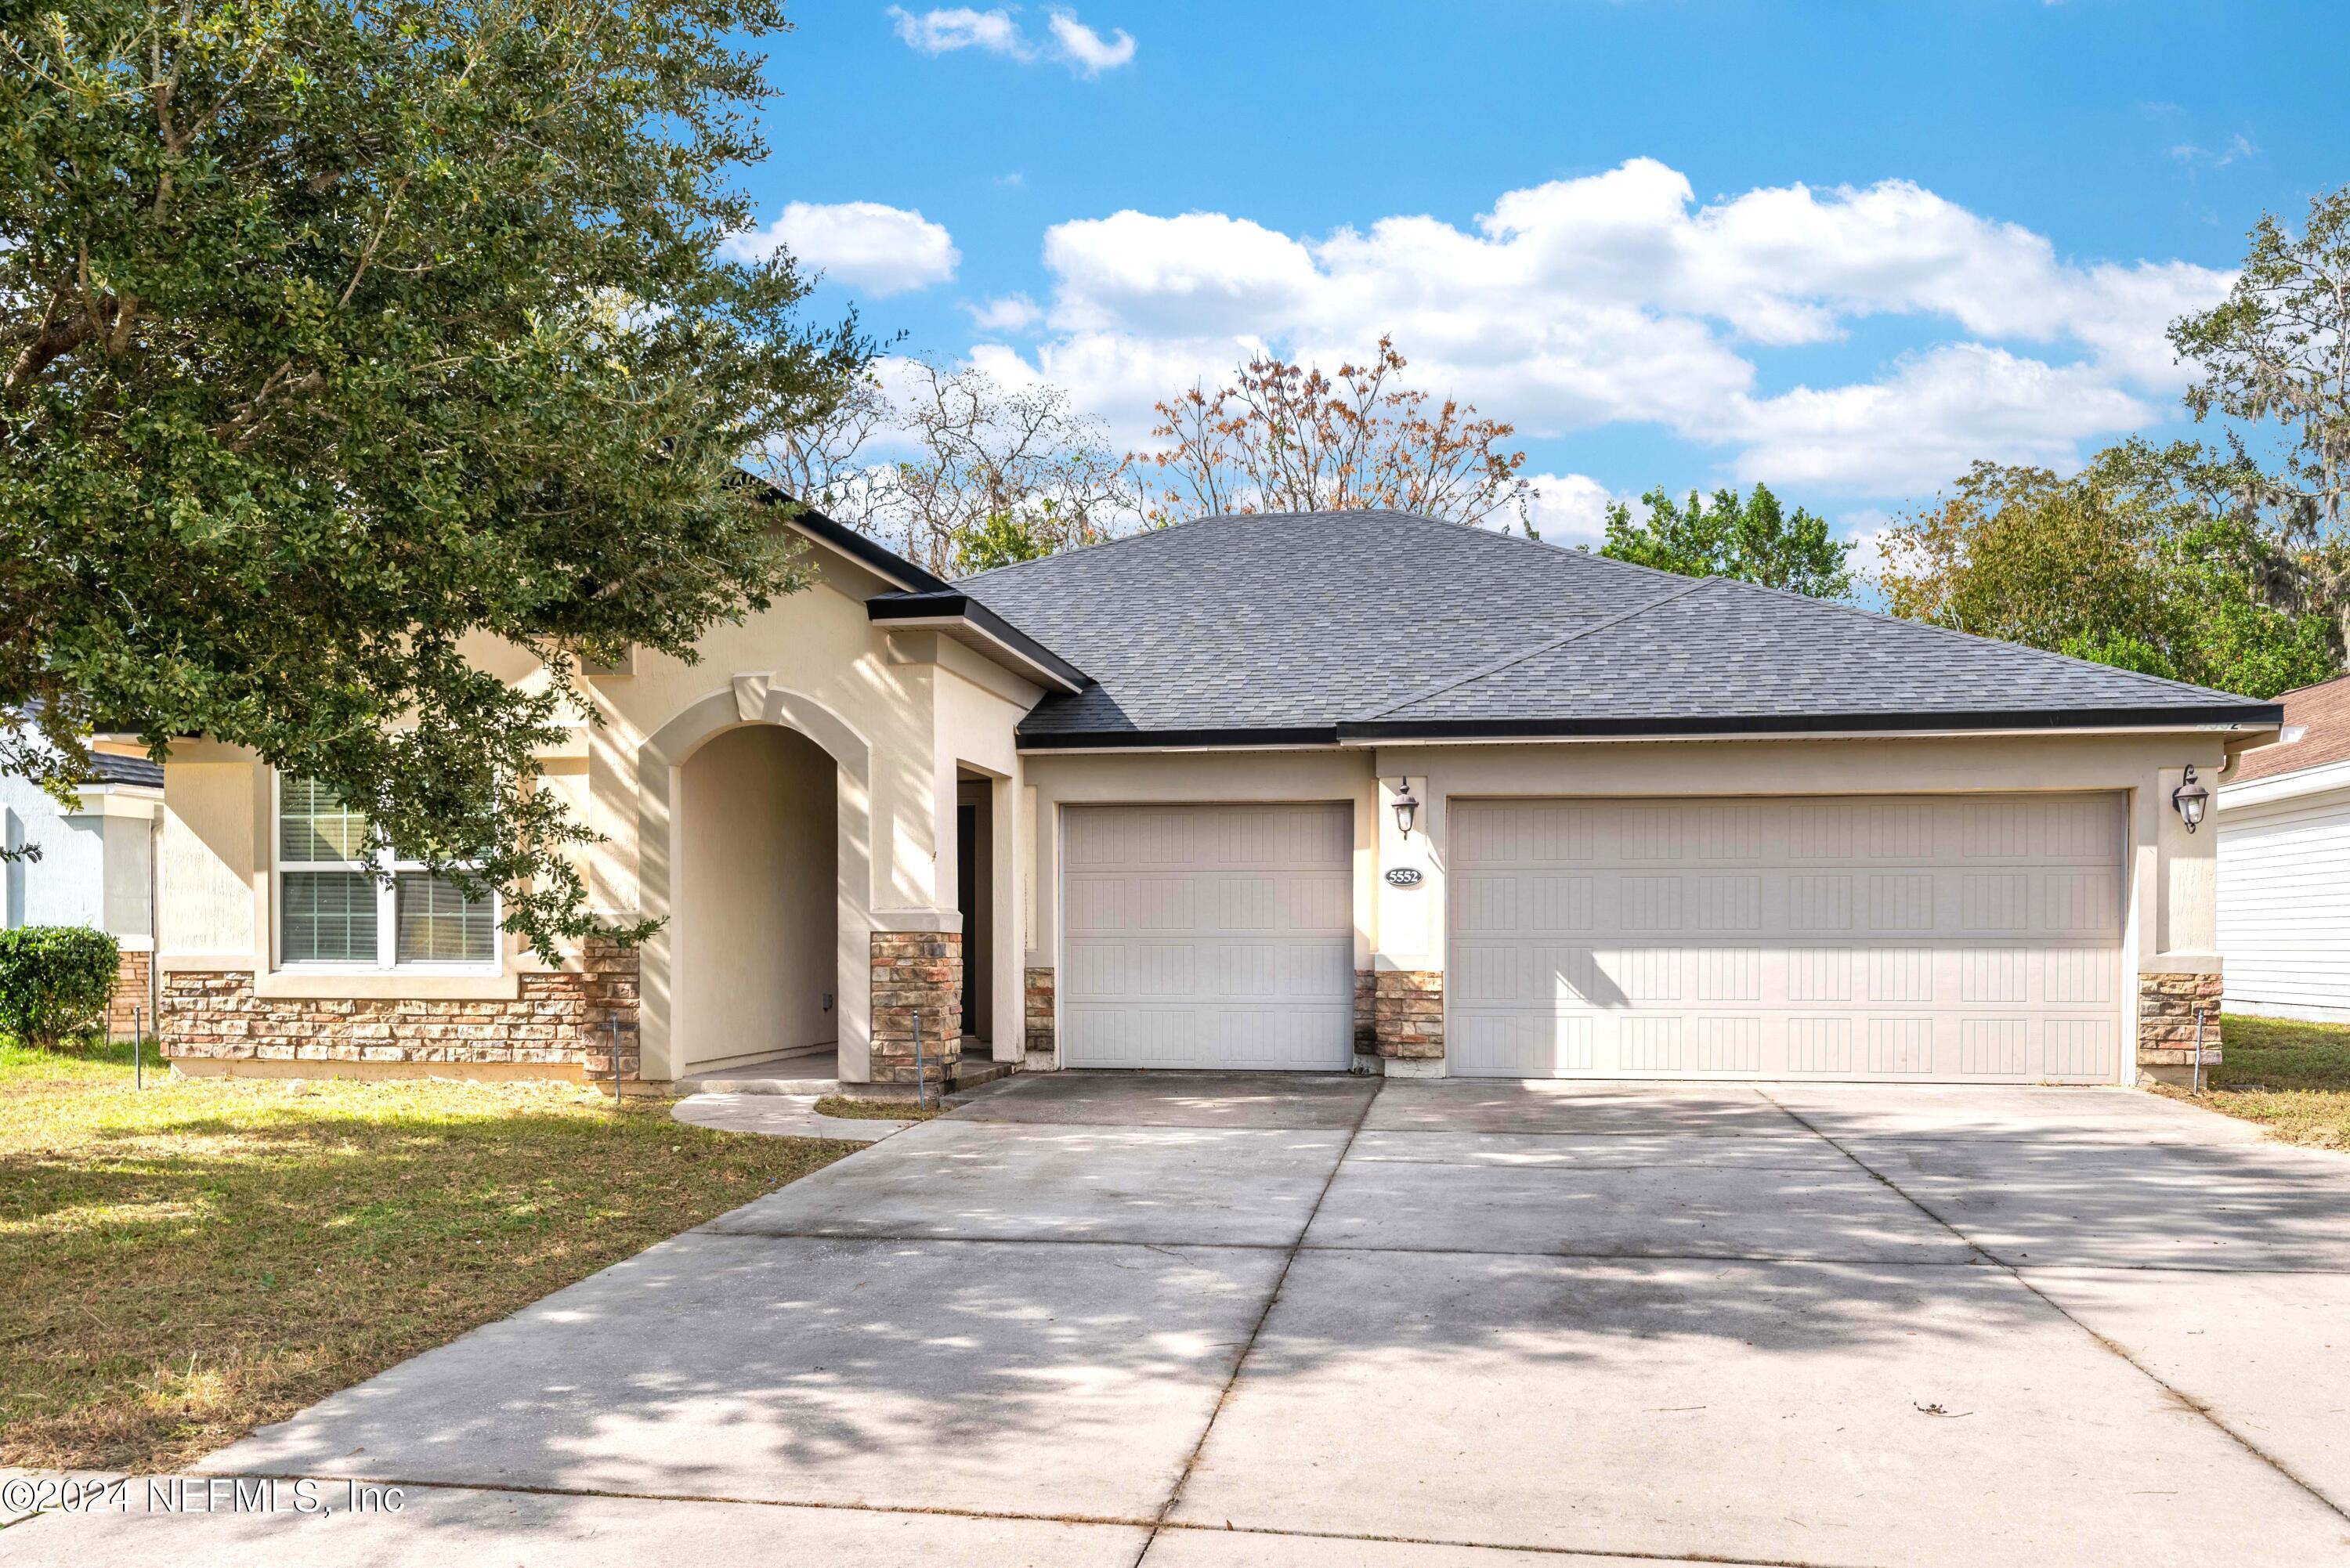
(1305, 792)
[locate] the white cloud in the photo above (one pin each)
(1920, 426)
(945, 29)
(1617, 297)
(2238, 147)
(879, 249)
(1088, 50)
(1572, 508)
(1005, 312)
(951, 27)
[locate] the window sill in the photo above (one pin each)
(385, 985)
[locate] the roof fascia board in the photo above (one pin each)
(971, 622)
(2285, 786)
(1343, 736)
(2227, 720)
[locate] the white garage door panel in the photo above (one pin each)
(1212, 936)
(1923, 938)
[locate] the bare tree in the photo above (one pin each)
(985, 474)
(994, 459)
(825, 463)
(1289, 438)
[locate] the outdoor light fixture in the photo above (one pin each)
(2190, 798)
(1407, 806)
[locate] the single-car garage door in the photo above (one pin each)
(1207, 936)
(1971, 939)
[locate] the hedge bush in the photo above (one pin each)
(55, 980)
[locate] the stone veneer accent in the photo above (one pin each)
(1408, 1013)
(130, 1006)
(1036, 1010)
(2166, 1024)
(563, 1018)
(916, 974)
(1367, 1012)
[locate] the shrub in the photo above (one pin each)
(55, 980)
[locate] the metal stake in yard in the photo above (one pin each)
(921, 1073)
(138, 1052)
(2199, 1051)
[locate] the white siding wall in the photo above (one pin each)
(67, 886)
(2285, 907)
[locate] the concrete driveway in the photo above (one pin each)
(1190, 1322)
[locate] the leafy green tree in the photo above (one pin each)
(2275, 356)
(342, 342)
(1003, 539)
(1752, 539)
(2139, 561)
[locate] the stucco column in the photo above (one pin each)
(2180, 980)
(1406, 1000)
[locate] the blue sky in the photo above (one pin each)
(1841, 248)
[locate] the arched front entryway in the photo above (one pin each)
(754, 804)
(754, 900)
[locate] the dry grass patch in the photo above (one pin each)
(876, 1110)
(191, 1262)
(2293, 1078)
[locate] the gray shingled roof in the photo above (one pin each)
(108, 768)
(1303, 626)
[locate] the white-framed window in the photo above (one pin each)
(341, 908)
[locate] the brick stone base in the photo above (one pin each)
(916, 975)
(1367, 1012)
(574, 1021)
(1037, 1011)
(1408, 1009)
(132, 1007)
(2167, 1004)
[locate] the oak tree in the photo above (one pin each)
(340, 340)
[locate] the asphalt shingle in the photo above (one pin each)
(1386, 623)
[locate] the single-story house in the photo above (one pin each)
(1303, 791)
(91, 865)
(2283, 815)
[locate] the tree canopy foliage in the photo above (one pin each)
(338, 341)
(1751, 538)
(2138, 561)
(2227, 566)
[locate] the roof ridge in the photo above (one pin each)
(2023, 649)
(1602, 624)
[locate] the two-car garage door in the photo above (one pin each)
(1920, 939)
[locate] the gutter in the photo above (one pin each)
(2235, 719)
(961, 616)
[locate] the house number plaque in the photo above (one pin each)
(1404, 877)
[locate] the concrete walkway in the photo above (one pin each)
(1190, 1321)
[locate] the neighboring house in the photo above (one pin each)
(2284, 865)
(96, 867)
(1291, 791)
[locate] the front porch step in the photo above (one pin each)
(970, 1073)
(802, 1072)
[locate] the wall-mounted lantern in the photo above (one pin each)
(1407, 806)
(2190, 799)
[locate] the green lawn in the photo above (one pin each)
(2293, 1078)
(186, 1264)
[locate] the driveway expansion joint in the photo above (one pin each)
(1264, 1315)
(2185, 1399)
